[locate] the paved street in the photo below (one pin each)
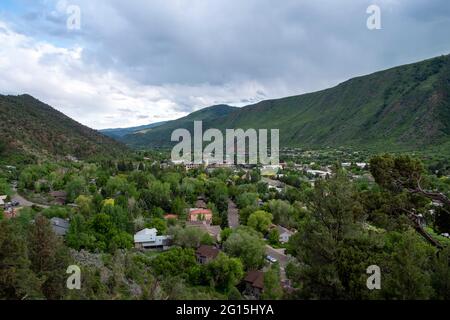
(24, 202)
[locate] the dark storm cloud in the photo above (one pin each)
(200, 52)
(305, 44)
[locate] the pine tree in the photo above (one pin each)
(49, 258)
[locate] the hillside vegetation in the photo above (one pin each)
(31, 129)
(403, 108)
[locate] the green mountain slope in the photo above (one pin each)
(160, 135)
(404, 108)
(118, 133)
(32, 129)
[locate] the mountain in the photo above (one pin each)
(31, 129)
(403, 108)
(121, 132)
(160, 136)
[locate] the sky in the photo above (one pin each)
(127, 63)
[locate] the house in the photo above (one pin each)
(285, 234)
(201, 203)
(319, 173)
(206, 254)
(10, 213)
(60, 226)
(254, 284)
(199, 214)
(213, 231)
(271, 170)
(361, 165)
(170, 216)
(2, 200)
(149, 239)
(59, 197)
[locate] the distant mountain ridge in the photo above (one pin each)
(121, 132)
(160, 136)
(32, 129)
(402, 108)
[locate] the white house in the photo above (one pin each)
(320, 173)
(285, 234)
(361, 165)
(149, 239)
(2, 200)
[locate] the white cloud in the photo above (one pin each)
(163, 59)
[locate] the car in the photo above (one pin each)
(271, 259)
(15, 203)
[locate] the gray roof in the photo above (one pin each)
(60, 226)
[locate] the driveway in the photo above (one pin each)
(233, 215)
(281, 257)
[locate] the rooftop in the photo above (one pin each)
(208, 251)
(255, 278)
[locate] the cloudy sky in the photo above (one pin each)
(136, 62)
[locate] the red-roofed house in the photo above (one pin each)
(171, 216)
(200, 215)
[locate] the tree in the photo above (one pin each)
(441, 275)
(79, 236)
(247, 199)
(157, 195)
(189, 237)
(84, 204)
(175, 262)
(74, 188)
(274, 237)
(245, 243)
(49, 258)
(17, 280)
(225, 272)
(260, 221)
(330, 245)
(283, 213)
(159, 224)
(403, 174)
(272, 283)
(408, 265)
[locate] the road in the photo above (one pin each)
(281, 257)
(24, 202)
(233, 215)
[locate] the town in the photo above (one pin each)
(222, 230)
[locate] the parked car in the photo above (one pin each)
(271, 259)
(15, 203)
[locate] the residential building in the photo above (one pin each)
(285, 234)
(149, 239)
(171, 216)
(206, 254)
(59, 197)
(319, 173)
(254, 284)
(199, 214)
(201, 203)
(2, 200)
(60, 226)
(270, 170)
